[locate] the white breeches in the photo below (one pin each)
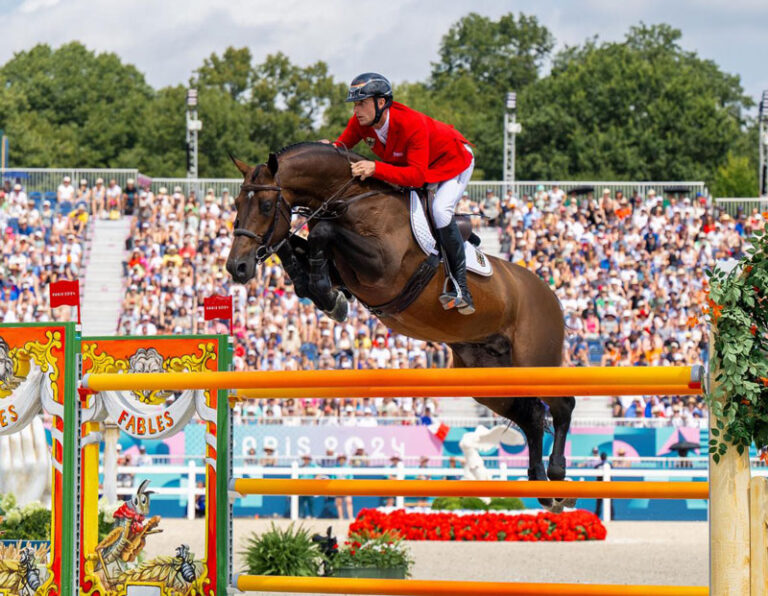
(448, 194)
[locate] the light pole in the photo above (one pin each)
(511, 128)
(193, 126)
(763, 140)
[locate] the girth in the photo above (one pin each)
(412, 290)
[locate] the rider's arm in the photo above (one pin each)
(351, 135)
(413, 174)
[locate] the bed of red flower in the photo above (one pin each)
(487, 526)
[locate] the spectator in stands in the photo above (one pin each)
(114, 196)
(130, 197)
(65, 194)
(17, 196)
(98, 199)
(269, 459)
(306, 502)
(491, 207)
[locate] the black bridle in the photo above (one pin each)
(265, 250)
(324, 211)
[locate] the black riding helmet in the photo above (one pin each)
(371, 84)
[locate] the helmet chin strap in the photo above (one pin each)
(380, 111)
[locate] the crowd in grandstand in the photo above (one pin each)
(41, 243)
(629, 272)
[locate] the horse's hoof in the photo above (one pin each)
(546, 504)
(555, 472)
(557, 506)
(568, 503)
(340, 308)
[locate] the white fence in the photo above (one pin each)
(478, 188)
(187, 486)
(732, 205)
(48, 179)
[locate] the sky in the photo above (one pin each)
(168, 39)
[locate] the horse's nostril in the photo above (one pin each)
(241, 269)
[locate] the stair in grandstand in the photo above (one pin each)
(103, 289)
(489, 240)
(593, 407)
(459, 408)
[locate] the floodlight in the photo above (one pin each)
(511, 101)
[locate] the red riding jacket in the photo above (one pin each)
(419, 149)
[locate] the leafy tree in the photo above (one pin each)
(504, 55)
(79, 108)
(480, 61)
(231, 72)
(641, 109)
(736, 178)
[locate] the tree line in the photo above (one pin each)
(639, 109)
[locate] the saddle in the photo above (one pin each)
(463, 220)
(423, 229)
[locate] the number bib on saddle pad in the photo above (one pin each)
(477, 262)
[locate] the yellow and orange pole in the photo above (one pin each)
(339, 585)
(471, 488)
(682, 377)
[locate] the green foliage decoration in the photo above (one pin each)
(288, 551)
(382, 551)
(738, 312)
(476, 504)
(28, 522)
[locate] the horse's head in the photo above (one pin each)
(263, 218)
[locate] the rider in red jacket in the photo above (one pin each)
(414, 150)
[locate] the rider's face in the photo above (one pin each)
(365, 110)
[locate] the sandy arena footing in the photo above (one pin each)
(660, 553)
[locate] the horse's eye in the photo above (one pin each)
(265, 207)
(250, 195)
(237, 222)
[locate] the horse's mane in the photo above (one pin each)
(317, 145)
(346, 154)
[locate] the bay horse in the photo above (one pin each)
(360, 241)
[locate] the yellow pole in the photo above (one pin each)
(728, 519)
(339, 585)
(467, 391)
(471, 488)
(758, 498)
(476, 377)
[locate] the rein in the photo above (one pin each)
(322, 212)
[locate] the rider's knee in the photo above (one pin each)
(442, 215)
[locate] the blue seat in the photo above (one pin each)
(65, 208)
(50, 196)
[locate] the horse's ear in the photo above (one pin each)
(241, 165)
(272, 163)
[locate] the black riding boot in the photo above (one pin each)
(453, 246)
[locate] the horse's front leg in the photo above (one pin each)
(332, 301)
(295, 270)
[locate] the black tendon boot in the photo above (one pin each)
(453, 246)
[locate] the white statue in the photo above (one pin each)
(25, 464)
(484, 439)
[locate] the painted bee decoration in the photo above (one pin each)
(28, 567)
(184, 563)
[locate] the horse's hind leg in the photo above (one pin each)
(527, 412)
(561, 409)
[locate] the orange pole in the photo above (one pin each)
(632, 376)
(472, 488)
(467, 391)
(339, 585)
